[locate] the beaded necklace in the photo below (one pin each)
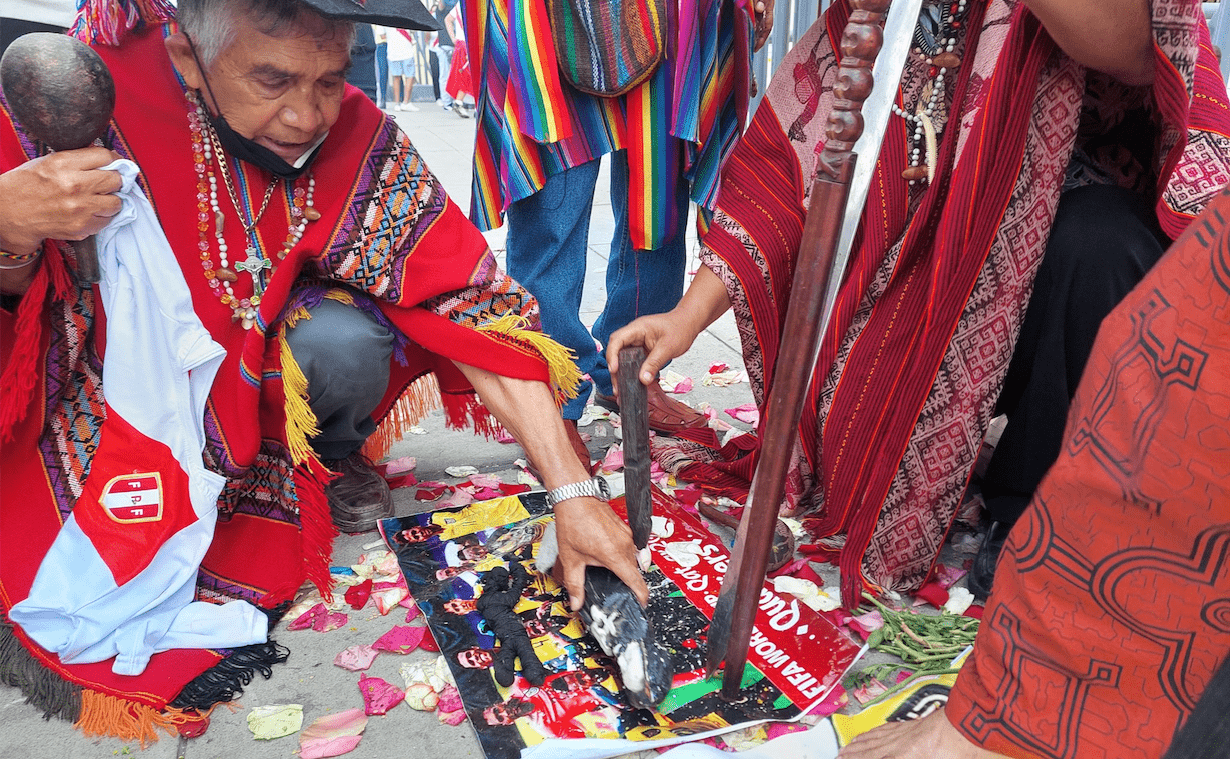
(221, 278)
(935, 37)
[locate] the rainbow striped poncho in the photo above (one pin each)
(679, 125)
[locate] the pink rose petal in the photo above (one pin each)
(747, 413)
(453, 718)
(450, 699)
(387, 599)
(485, 481)
(356, 658)
(401, 465)
(458, 498)
(319, 619)
(402, 639)
(486, 494)
(866, 624)
(948, 576)
(308, 618)
(412, 610)
(613, 460)
(682, 386)
(332, 735)
(832, 703)
(379, 696)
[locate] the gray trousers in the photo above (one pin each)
(344, 353)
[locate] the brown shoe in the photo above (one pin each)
(359, 497)
(665, 413)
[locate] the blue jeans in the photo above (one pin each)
(548, 241)
(382, 73)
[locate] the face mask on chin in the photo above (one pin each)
(248, 150)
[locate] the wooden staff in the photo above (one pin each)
(634, 417)
(735, 611)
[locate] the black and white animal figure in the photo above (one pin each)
(615, 618)
(501, 592)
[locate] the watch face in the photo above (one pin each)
(603, 488)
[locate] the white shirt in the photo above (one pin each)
(400, 48)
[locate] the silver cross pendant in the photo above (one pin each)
(254, 264)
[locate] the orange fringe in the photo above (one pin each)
(103, 715)
(422, 396)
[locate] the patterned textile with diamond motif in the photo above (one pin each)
(1111, 606)
(938, 281)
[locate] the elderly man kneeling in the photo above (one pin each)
(316, 288)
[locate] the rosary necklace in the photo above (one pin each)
(935, 37)
(221, 277)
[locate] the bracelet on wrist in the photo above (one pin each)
(17, 260)
(22, 263)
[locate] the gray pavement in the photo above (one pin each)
(310, 678)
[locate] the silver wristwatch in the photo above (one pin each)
(595, 487)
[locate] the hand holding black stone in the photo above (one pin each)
(501, 592)
(63, 95)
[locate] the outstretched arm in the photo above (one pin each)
(589, 532)
(669, 335)
(1112, 36)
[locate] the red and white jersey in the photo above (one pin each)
(120, 578)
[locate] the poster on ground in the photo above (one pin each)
(795, 656)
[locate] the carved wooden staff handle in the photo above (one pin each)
(735, 611)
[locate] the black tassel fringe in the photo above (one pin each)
(43, 688)
(225, 680)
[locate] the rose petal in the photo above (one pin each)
(510, 489)
(275, 721)
(948, 576)
(308, 618)
(402, 639)
(747, 413)
(614, 459)
(450, 699)
(461, 471)
(933, 593)
(401, 481)
(421, 697)
(401, 465)
(356, 658)
(387, 599)
(357, 595)
(379, 696)
(332, 735)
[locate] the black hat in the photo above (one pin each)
(402, 14)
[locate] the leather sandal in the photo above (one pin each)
(666, 414)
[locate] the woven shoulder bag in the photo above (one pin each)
(608, 47)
